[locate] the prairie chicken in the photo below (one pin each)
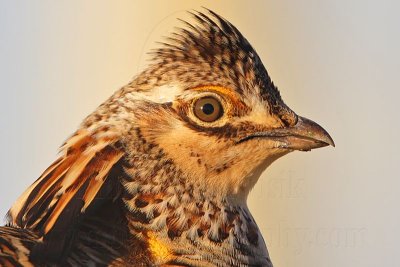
(159, 174)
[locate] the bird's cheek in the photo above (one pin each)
(259, 150)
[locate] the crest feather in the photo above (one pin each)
(213, 41)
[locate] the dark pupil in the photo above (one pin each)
(208, 109)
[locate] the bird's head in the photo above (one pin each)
(193, 131)
(208, 104)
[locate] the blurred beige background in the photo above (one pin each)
(336, 62)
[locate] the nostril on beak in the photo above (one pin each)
(289, 119)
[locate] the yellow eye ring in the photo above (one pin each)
(208, 109)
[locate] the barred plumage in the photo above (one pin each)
(147, 180)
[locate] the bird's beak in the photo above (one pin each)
(306, 135)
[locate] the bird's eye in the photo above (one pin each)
(208, 109)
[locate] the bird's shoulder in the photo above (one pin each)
(15, 246)
(82, 181)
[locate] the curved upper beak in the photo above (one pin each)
(306, 135)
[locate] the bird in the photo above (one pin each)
(159, 174)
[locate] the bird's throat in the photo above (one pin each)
(180, 226)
